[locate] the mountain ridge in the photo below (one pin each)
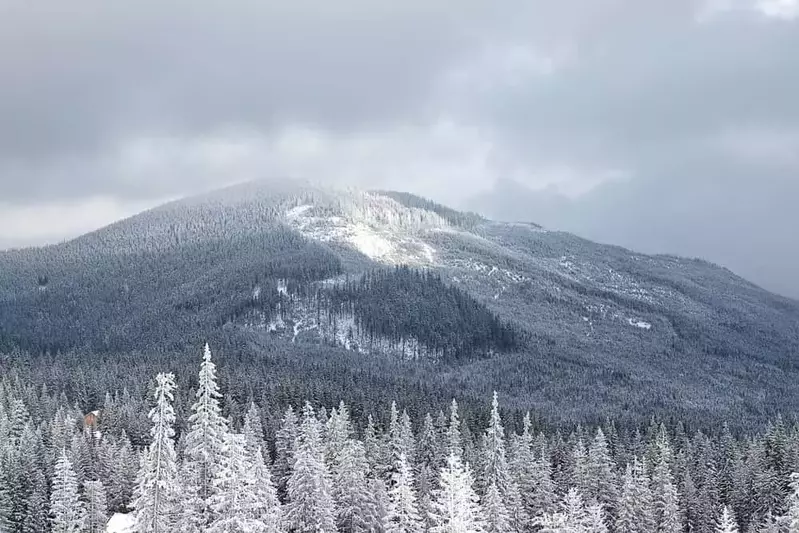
(601, 325)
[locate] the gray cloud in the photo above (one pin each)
(79, 80)
(658, 125)
(701, 122)
(656, 92)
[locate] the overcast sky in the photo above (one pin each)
(663, 125)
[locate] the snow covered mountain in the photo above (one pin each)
(551, 319)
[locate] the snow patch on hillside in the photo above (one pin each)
(344, 333)
(490, 270)
(383, 244)
(605, 312)
(298, 211)
(301, 322)
(535, 228)
(282, 287)
(609, 279)
(428, 251)
(276, 324)
(369, 242)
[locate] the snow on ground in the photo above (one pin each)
(121, 523)
(344, 327)
(429, 252)
(298, 211)
(276, 324)
(535, 228)
(609, 279)
(297, 329)
(606, 312)
(282, 287)
(304, 324)
(500, 279)
(489, 270)
(337, 280)
(386, 245)
(514, 277)
(369, 242)
(639, 323)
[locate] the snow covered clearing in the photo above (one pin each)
(369, 242)
(121, 523)
(387, 245)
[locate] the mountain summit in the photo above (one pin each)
(408, 293)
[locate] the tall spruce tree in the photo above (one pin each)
(494, 463)
(339, 433)
(428, 464)
(456, 507)
(310, 507)
(454, 441)
(572, 517)
(285, 448)
(37, 507)
(407, 439)
(627, 511)
(96, 506)
(205, 443)
(253, 429)
(497, 517)
(67, 512)
(523, 468)
(601, 480)
(373, 448)
(578, 477)
(24, 500)
(645, 517)
(543, 498)
(727, 523)
(392, 445)
(742, 497)
(156, 494)
(235, 501)
(268, 510)
(706, 500)
(671, 516)
(356, 508)
(792, 517)
(595, 521)
(7, 478)
(122, 475)
(688, 501)
(495, 469)
(402, 515)
(666, 508)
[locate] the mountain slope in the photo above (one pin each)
(570, 327)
